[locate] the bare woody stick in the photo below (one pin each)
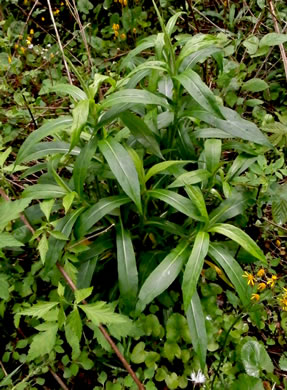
(74, 288)
(59, 42)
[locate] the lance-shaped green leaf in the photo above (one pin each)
(212, 151)
(39, 309)
(239, 165)
(196, 323)
(7, 239)
(233, 125)
(194, 267)
(122, 166)
(49, 128)
(67, 89)
(197, 198)
(160, 167)
(44, 191)
(11, 210)
(82, 164)
(232, 269)
(127, 267)
(144, 44)
(43, 149)
(188, 178)
(237, 235)
(80, 117)
(65, 226)
(163, 275)
(141, 132)
(179, 202)
(102, 313)
(135, 96)
(191, 81)
(103, 207)
(172, 22)
(98, 80)
(229, 208)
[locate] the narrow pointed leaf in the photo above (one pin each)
(194, 267)
(127, 267)
(197, 198)
(103, 207)
(122, 166)
(191, 81)
(82, 164)
(67, 89)
(229, 208)
(135, 96)
(237, 235)
(232, 269)
(212, 151)
(160, 167)
(80, 117)
(49, 128)
(43, 149)
(163, 275)
(188, 178)
(196, 323)
(7, 239)
(179, 202)
(141, 132)
(44, 191)
(56, 246)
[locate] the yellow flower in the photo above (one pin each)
(278, 242)
(261, 272)
(255, 297)
(123, 36)
(9, 59)
(250, 278)
(116, 33)
(31, 32)
(62, 3)
(116, 27)
(42, 18)
(272, 280)
(22, 50)
(261, 286)
(283, 302)
(16, 46)
(125, 3)
(56, 11)
(134, 30)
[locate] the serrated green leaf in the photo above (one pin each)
(39, 309)
(83, 293)
(11, 210)
(73, 332)
(8, 240)
(43, 247)
(43, 343)
(193, 267)
(102, 313)
(279, 211)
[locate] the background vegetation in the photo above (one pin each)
(143, 194)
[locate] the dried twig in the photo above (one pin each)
(277, 30)
(59, 42)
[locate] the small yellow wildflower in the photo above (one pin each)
(16, 46)
(123, 36)
(261, 286)
(116, 33)
(278, 242)
(56, 11)
(134, 30)
(261, 272)
(31, 31)
(250, 278)
(62, 3)
(272, 280)
(22, 50)
(116, 27)
(255, 297)
(9, 59)
(125, 3)
(43, 19)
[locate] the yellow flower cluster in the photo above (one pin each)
(260, 281)
(122, 2)
(116, 28)
(283, 299)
